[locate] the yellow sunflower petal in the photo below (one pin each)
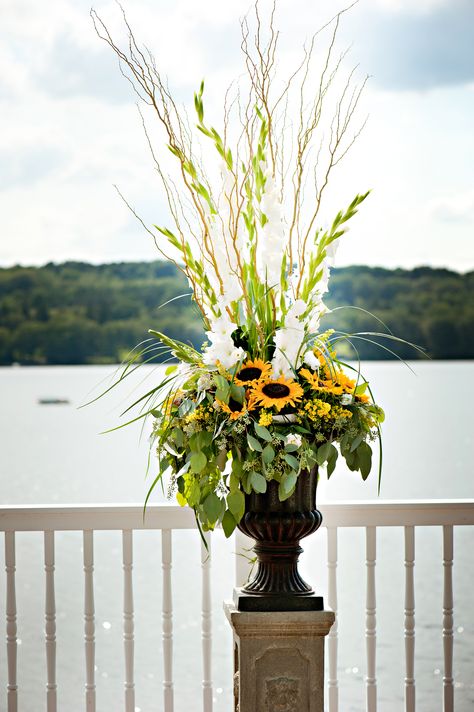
(277, 393)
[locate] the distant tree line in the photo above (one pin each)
(78, 313)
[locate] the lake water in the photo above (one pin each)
(54, 454)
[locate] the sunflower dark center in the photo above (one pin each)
(276, 390)
(235, 406)
(251, 373)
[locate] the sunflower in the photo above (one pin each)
(323, 386)
(277, 392)
(312, 378)
(234, 408)
(252, 372)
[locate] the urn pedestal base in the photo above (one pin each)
(245, 601)
(279, 659)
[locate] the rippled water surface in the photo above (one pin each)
(54, 454)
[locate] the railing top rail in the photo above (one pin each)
(130, 516)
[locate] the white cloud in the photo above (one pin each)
(458, 208)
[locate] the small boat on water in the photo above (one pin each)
(54, 401)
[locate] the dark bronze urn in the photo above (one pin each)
(277, 528)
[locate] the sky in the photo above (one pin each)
(70, 131)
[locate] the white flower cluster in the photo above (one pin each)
(293, 439)
(222, 347)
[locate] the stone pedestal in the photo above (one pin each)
(279, 659)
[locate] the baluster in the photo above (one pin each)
(206, 625)
(167, 616)
(371, 623)
(89, 618)
(448, 680)
(50, 622)
(410, 700)
(333, 683)
(128, 626)
(10, 568)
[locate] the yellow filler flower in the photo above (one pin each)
(277, 392)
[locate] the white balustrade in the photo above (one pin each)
(370, 620)
(12, 642)
(206, 609)
(410, 702)
(128, 624)
(127, 518)
(333, 684)
(448, 680)
(167, 618)
(50, 622)
(89, 618)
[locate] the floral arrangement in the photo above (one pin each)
(266, 398)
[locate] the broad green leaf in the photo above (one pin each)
(323, 453)
(258, 482)
(364, 454)
(356, 442)
(171, 369)
(228, 523)
(291, 447)
(193, 494)
(212, 507)
(254, 444)
(236, 504)
(234, 482)
(178, 436)
(262, 432)
(237, 393)
(292, 461)
(268, 454)
(286, 486)
(361, 388)
(198, 461)
(332, 459)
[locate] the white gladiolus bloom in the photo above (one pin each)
(314, 320)
(221, 328)
(297, 309)
(310, 360)
(225, 352)
(271, 244)
(332, 249)
(281, 367)
(287, 346)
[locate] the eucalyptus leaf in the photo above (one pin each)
(286, 486)
(258, 482)
(323, 453)
(262, 432)
(228, 523)
(292, 461)
(268, 454)
(236, 504)
(212, 507)
(364, 454)
(254, 444)
(198, 461)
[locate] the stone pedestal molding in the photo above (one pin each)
(279, 659)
